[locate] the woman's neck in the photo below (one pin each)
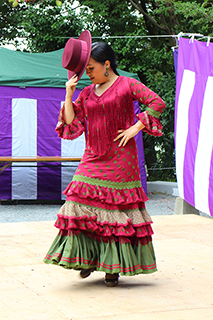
(102, 87)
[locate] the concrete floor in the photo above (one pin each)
(181, 289)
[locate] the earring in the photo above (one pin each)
(106, 73)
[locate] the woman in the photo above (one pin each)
(103, 225)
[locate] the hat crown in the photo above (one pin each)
(76, 54)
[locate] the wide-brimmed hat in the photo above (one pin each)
(76, 54)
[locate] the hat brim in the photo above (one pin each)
(84, 36)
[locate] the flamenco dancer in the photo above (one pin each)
(104, 225)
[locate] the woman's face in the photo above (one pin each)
(95, 71)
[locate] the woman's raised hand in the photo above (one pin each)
(69, 113)
(71, 85)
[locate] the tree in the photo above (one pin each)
(150, 55)
(9, 20)
(47, 27)
(16, 3)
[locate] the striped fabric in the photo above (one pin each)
(194, 124)
(27, 128)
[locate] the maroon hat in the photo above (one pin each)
(76, 54)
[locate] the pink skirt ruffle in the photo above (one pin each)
(107, 195)
(105, 231)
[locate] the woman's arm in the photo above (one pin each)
(69, 113)
(71, 122)
(155, 106)
(148, 120)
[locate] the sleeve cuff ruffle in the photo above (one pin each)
(152, 124)
(69, 131)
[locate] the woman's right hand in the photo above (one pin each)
(70, 89)
(71, 85)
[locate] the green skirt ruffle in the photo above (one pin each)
(82, 252)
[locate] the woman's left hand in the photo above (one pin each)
(129, 133)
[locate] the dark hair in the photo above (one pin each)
(101, 52)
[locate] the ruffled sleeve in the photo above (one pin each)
(155, 106)
(76, 128)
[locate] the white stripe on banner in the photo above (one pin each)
(70, 148)
(24, 144)
(186, 92)
(204, 151)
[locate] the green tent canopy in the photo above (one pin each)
(23, 69)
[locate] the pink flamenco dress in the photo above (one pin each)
(104, 223)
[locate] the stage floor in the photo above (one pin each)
(181, 289)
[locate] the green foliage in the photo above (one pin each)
(195, 16)
(47, 27)
(110, 17)
(9, 19)
(164, 145)
(160, 77)
(16, 3)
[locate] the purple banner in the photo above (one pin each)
(193, 123)
(210, 194)
(193, 136)
(141, 159)
(48, 144)
(5, 144)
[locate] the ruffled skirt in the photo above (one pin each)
(104, 223)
